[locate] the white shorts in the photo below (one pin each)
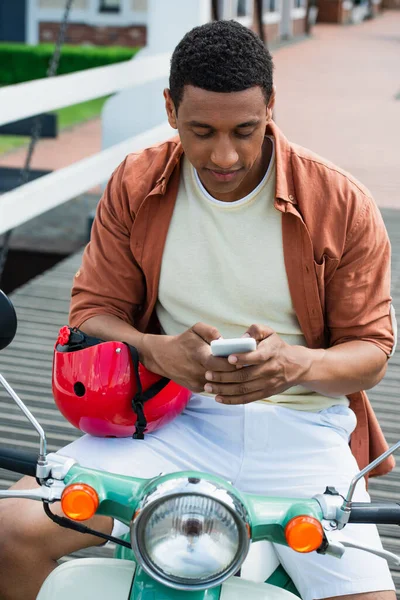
(261, 449)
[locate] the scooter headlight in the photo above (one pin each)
(190, 533)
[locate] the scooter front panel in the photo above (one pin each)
(146, 588)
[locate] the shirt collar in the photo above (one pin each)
(173, 161)
(284, 174)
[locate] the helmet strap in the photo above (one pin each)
(141, 397)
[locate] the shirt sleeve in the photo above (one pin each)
(358, 299)
(109, 281)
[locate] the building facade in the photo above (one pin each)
(281, 19)
(124, 22)
(97, 22)
(349, 11)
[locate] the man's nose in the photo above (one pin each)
(224, 155)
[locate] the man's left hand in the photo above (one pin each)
(271, 369)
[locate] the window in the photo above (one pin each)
(110, 6)
(243, 8)
(244, 11)
(299, 9)
(270, 6)
(271, 11)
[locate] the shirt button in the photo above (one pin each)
(291, 197)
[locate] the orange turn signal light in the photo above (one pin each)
(304, 534)
(79, 501)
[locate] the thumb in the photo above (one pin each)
(259, 332)
(206, 332)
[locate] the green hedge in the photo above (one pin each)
(19, 62)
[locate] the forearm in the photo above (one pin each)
(343, 369)
(110, 328)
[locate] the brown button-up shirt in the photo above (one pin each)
(336, 250)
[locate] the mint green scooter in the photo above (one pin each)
(190, 532)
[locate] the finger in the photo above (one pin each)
(217, 364)
(255, 357)
(235, 389)
(259, 332)
(206, 332)
(246, 399)
(235, 375)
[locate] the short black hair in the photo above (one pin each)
(222, 56)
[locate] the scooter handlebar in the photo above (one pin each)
(379, 513)
(19, 461)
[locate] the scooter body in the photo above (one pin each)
(124, 578)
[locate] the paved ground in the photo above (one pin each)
(336, 95)
(62, 230)
(70, 146)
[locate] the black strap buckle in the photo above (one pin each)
(141, 422)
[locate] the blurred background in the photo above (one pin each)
(337, 75)
(81, 86)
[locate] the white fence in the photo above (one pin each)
(167, 22)
(32, 98)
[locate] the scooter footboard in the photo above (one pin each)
(105, 578)
(90, 578)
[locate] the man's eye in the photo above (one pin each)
(203, 135)
(244, 135)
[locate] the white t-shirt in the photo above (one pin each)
(223, 264)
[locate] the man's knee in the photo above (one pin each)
(19, 521)
(30, 543)
(24, 524)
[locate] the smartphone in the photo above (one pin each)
(225, 347)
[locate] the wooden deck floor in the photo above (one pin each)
(42, 308)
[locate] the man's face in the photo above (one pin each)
(222, 135)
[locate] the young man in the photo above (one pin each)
(230, 230)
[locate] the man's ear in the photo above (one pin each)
(271, 104)
(170, 108)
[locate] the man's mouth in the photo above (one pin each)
(224, 175)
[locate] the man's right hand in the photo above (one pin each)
(185, 358)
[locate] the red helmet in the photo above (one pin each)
(102, 389)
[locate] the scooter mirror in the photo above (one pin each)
(8, 321)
